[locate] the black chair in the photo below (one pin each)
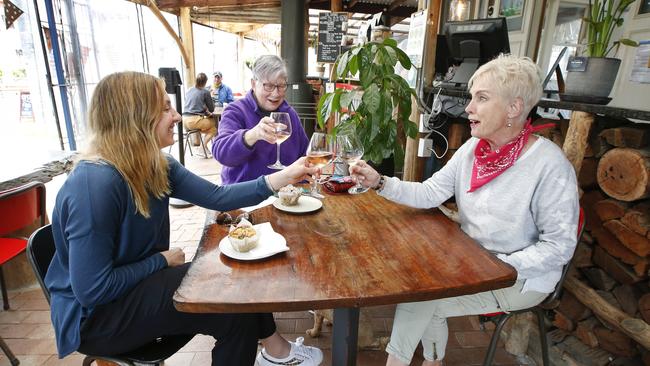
(500, 319)
(40, 250)
(186, 139)
(12, 359)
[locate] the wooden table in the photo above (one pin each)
(356, 251)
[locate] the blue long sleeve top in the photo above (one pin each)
(104, 247)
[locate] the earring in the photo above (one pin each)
(509, 124)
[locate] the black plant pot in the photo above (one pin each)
(592, 80)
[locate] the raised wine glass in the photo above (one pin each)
(282, 132)
(350, 150)
(319, 153)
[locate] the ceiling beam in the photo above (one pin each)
(175, 4)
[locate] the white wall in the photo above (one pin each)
(629, 94)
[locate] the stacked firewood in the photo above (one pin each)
(603, 315)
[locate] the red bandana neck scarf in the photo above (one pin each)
(490, 164)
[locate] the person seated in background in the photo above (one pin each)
(197, 112)
(220, 92)
(113, 275)
(245, 143)
(517, 196)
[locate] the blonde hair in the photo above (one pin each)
(513, 77)
(124, 111)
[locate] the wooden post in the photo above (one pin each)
(336, 6)
(242, 64)
(414, 166)
(186, 58)
(188, 42)
(575, 141)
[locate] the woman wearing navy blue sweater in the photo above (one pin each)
(113, 275)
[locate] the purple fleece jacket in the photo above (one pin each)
(241, 163)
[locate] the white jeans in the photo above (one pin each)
(426, 321)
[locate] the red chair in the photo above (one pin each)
(19, 208)
(501, 318)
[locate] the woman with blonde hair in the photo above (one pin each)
(113, 275)
(517, 196)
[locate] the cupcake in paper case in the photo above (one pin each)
(243, 237)
(289, 195)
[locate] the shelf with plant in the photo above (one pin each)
(379, 107)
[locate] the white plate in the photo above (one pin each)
(270, 243)
(305, 204)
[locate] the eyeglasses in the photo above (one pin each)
(269, 87)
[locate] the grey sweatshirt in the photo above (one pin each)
(527, 216)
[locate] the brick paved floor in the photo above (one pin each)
(27, 330)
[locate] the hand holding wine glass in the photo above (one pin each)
(319, 153)
(350, 150)
(282, 123)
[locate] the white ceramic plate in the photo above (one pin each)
(270, 243)
(305, 204)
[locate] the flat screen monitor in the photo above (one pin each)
(471, 43)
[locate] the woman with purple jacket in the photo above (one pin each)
(245, 142)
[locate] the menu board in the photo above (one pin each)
(331, 28)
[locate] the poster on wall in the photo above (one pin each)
(513, 11)
(641, 66)
(331, 28)
(417, 31)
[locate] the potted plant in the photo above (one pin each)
(594, 76)
(379, 107)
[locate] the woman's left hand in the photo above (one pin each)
(296, 172)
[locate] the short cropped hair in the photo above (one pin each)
(512, 77)
(269, 67)
(201, 80)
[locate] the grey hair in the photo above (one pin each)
(269, 67)
(512, 77)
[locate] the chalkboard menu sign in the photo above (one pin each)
(331, 27)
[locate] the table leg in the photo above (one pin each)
(344, 336)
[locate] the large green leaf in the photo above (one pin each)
(371, 98)
(403, 58)
(324, 109)
(629, 42)
(390, 42)
(343, 67)
(391, 55)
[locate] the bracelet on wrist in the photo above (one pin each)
(380, 184)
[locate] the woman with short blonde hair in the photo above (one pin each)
(517, 196)
(113, 275)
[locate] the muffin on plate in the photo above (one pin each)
(289, 195)
(243, 237)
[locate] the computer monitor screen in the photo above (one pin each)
(472, 43)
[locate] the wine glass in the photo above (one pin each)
(282, 132)
(350, 150)
(319, 153)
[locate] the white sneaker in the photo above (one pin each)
(299, 355)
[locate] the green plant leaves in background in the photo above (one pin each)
(379, 107)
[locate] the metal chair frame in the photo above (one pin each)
(500, 319)
(186, 139)
(40, 251)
